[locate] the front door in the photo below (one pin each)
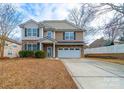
(49, 52)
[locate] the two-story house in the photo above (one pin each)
(59, 38)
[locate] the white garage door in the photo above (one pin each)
(69, 53)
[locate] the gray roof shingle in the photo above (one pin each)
(61, 25)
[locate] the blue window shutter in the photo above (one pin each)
(74, 35)
(25, 47)
(38, 46)
(63, 35)
(25, 32)
(38, 32)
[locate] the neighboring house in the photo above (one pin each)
(59, 38)
(119, 41)
(100, 43)
(11, 48)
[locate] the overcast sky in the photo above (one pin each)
(45, 11)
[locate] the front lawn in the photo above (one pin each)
(34, 73)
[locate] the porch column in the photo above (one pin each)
(54, 49)
(40, 46)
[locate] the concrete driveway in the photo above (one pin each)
(91, 74)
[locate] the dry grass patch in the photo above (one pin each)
(118, 61)
(34, 73)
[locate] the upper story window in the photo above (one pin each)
(32, 32)
(69, 36)
(14, 46)
(49, 34)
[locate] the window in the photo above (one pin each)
(14, 46)
(60, 48)
(32, 32)
(69, 36)
(29, 47)
(71, 48)
(29, 32)
(32, 47)
(9, 52)
(77, 49)
(66, 48)
(49, 34)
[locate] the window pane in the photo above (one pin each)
(14, 46)
(49, 34)
(71, 35)
(71, 48)
(29, 46)
(34, 32)
(9, 52)
(66, 35)
(29, 32)
(34, 47)
(60, 48)
(65, 48)
(77, 49)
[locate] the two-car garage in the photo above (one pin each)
(69, 52)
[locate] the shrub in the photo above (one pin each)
(25, 53)
(30, 53)
(40, 54)
(22, 54)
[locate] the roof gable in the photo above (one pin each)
(29, 21)
(47, 40)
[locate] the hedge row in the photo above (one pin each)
(37, 54)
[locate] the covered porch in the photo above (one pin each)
(48, 45)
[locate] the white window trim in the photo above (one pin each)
(54, 36)
(51, 33)
(31, 46)
(69, 33)
(42, 33)
(32, 32)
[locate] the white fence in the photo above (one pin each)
(107, 49)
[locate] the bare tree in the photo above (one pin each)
(9, 20)
(114, 28)
(83, 16)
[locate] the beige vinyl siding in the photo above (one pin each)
(45, 33)
(31, 25)
(59, 36)
(79, 35)
(12, 48)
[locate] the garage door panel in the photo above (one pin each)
(69, 53)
